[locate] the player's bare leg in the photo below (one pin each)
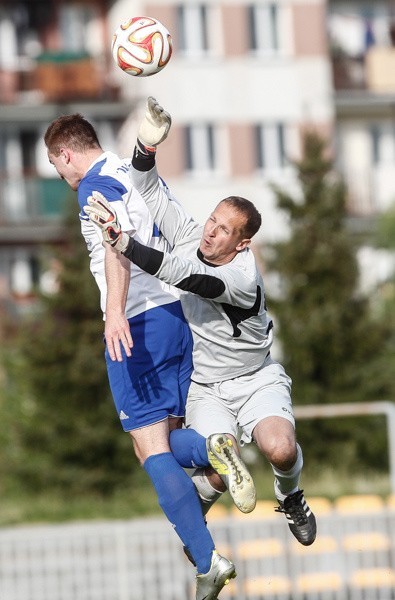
(151, 440)
(275, 437)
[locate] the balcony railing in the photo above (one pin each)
(374, 71)
(57, 77)
(32, 200)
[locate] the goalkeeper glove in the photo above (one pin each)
(100, 212)
(155, 125)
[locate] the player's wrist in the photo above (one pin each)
(145, 148)
(122, 242)
(142, 159)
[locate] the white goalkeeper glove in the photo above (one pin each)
(101, 213)
(155, 125)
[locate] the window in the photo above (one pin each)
(263, 25)
(24, 273)
(375, 137)
(28, 141)
(3, 151)
(270, 145)
(200, 147)
(74, 21)
(30, 19)
(193, 28)
(382, 138)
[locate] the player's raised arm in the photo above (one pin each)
(170, 217)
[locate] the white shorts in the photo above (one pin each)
(237, 405)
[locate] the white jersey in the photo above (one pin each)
(224, 305)
(110, 175)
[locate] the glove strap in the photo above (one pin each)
(143, 157)
(145, 149)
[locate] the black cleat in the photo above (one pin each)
(301, 520)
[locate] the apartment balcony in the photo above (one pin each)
(372, 73)
(32, 210)
(361, 38)
(364, 101)
(57, 77)
(371, 191)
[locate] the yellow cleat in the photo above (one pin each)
(233, 472)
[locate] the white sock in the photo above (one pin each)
(287, 482)
(207, 494)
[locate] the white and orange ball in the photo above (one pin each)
(141, 46)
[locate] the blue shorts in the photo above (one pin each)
(153, 383)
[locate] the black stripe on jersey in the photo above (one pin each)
(206, 286)
(237, 315)
(150, 260)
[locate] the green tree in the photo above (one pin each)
(65, 433)
(333, 348)
(385, 239)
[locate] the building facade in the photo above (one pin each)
(245, 80)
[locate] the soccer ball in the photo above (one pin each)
(141, 46)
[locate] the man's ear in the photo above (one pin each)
(243, 244)
(66, 155)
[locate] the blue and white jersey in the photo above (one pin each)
(109, 175)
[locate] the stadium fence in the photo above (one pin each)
(353, 557)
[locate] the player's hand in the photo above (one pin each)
(101, 213)
(155, 125)
(117, 334)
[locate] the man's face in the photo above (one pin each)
(65, 169)
(222, 237)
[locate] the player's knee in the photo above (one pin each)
(141, 451)
(280, 452)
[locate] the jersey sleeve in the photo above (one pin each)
(113, 191)
(170, 217)
(228, 284)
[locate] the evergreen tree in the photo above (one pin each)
(66, 434)
(385, 239)
(332, 347)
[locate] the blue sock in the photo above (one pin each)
(179, 501)
(189, 448)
